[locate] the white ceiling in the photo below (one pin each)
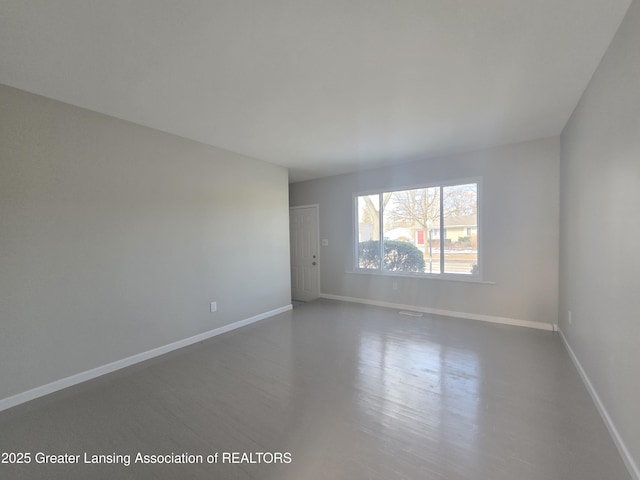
(319, 86)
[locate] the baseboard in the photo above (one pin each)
(447, 313)
(52, 387)
(613, 431)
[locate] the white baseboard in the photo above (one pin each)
(613, 431)
(448, 313)
(43, 390)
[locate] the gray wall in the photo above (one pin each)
(600, 232)
(519, 210)
(114, 238)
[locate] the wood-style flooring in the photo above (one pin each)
(349, 391)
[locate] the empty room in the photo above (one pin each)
(303, 239)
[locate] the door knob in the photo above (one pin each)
(313, 263)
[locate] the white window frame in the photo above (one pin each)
(444, 276)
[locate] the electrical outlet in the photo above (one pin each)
(569, 317)
(214, 307)
(395, 285)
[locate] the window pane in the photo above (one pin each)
(409, 217)
(460, 213)
(369, 231)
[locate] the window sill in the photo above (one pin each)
(444, 277)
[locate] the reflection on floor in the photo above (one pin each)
(350, 391)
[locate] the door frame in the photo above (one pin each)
(315, 206)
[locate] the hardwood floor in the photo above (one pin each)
(350, 391)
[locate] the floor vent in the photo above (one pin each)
(410, 314)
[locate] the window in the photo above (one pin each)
(432, 230)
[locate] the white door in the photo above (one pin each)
(305, 270)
